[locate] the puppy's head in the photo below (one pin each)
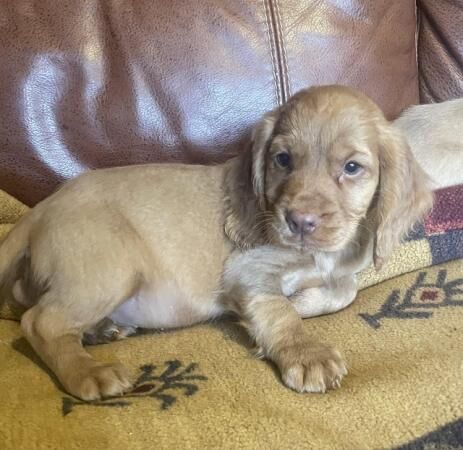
(323, 162)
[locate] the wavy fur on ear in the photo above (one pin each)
(404, 194)
(245, 187)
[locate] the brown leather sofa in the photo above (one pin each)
(97, 83)
(104, 83)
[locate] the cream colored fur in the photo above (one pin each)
(435, 135)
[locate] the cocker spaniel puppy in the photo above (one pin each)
(326, 185)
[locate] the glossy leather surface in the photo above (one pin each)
(440, 50)
(104, 83)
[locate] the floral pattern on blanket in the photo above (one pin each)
(420, 300)
(163, 388)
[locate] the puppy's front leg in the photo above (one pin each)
(305, 365)
(317, 301)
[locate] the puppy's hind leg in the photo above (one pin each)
(54, 328)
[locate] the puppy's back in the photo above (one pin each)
(435, 135)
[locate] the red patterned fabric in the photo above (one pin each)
(447, 213)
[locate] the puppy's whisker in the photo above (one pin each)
(259, 227)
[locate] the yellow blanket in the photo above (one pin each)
(201, 388)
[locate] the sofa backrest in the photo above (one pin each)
(103, 83)
(440, 49)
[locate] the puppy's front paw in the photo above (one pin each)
(311, 367)
(101, 380)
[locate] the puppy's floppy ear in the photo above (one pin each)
(404, 193)
(260, 140)
(245, 186)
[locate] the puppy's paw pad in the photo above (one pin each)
(107, 331)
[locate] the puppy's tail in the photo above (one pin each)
(13, 249)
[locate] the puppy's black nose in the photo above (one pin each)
(301, 223)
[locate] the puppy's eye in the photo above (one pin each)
(283, 159)
(352, 168)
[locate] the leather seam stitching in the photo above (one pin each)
(273, 50)
(283, 57)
